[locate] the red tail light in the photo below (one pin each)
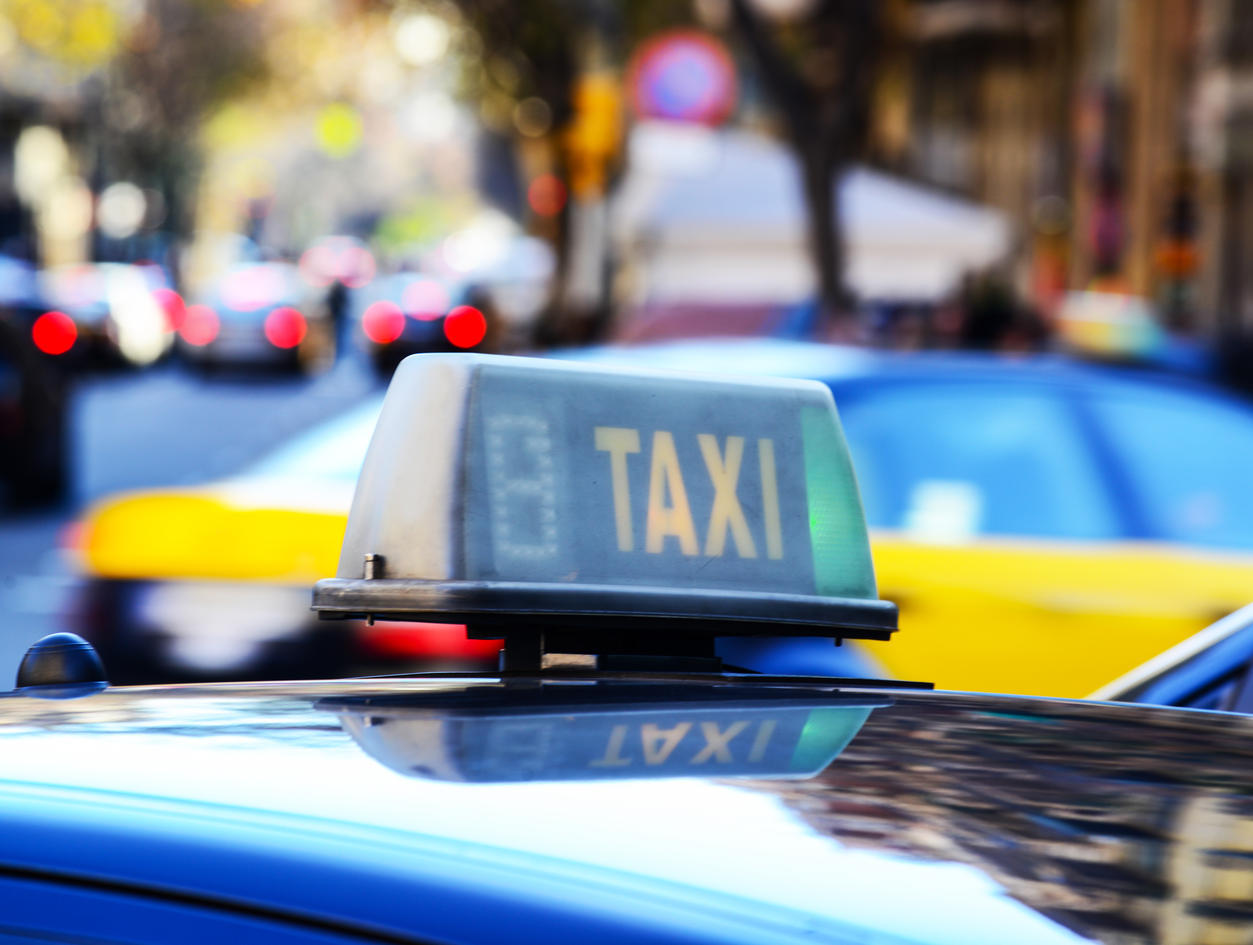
(200, 325)
(54, 333)
(285, 327)
(383, 322)
(546, 195)
(465, 326)
(172, 304)
(397, 639)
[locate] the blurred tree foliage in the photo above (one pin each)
(523, 49)
(181, 59)
(561, 53)
(537, 48)
(79, 34)
(816, 61)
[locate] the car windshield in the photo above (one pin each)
(1197, 490)
(950, 462)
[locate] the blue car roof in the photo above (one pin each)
(837, 363)
(254, 799)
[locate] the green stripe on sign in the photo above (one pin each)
(837, 524)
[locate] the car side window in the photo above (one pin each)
(1189, 458)
(945, 463)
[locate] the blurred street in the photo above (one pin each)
(162, 427)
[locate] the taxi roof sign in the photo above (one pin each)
(506, 492)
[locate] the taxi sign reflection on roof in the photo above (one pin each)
(609, 732)
(510, 491)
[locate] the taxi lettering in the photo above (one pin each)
(669, 514)
(710, 741)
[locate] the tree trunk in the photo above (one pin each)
(552, 326)
(826, 125)
(820, 172)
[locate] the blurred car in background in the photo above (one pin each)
(105, 314)
(34, 447)
(406, 313)
(517, 285)
(259, 314)
(1045, 526)
(213, 582)
(21, 302)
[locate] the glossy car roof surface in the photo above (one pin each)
(948, 818)
(836, 362)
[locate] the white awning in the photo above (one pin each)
(709, 215)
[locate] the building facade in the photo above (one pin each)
(1118, 134)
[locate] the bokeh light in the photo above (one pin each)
(252, 288)
(356, 267)
(120, 210)
(421, 38)
(482, 243)
(338, 258)
(465, 326)
(140, 326)
(339, 130)
(532, 117)
(40, 157)
(54, 332)
(67, 212)
(318, 265)
(546, 195)
(383, 322)
(425, 299)
(200, 325)
(83, 34)
(172, 304)
(285, 327)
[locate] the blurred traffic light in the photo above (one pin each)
(594, 135)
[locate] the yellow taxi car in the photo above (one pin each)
(1044, 526)
(211, 582)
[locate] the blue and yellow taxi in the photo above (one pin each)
(614, 778)
(1044, 526)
